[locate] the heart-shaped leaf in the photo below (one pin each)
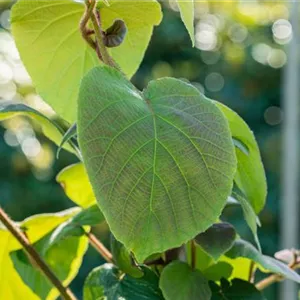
(178, 281)
(161, 162)
(56, 56)
(217, 239)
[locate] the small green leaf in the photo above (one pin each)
(248, 212)
(124, 260)
(186, 8)
(64, 259)
(242, 248)
(50, 28)
(106, 282)
(250, 177)
(217, 239)
(153, 195)
(178, 281)
(70, 133)
(237, 289)
(217, 271)
(51, 129)
(36, 227)
(76, 185)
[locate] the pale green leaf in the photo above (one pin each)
(63, 258)
(56, 56)
(178, 281)
(50, 128)
(106, 282)
(186, 8)
(244, 249)
(76, 185)
(161, 163)
(250, 177)
(36, 228)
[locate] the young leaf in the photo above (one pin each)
(217, 239)
(161, 163)
(36, 228)
(124, 260)
(105, 282)
(50, 28)
(250, 177)
(51, 129)
(242, 248)
(178, 281)
(76, 185)
(64, 259)
(186, 8)
(248, 212)
(237, 289)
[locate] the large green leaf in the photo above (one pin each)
(64, 259)
(161, 163)
(106, 282)
(186, 8)
(76, 185)
(36, 228)
(56, 56)
(217, 239)
(237, 289)
(51, 129)
(250, 176)
(178, 281)
(242, 248)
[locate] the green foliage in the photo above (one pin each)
(179, 281)
(217, 239)
(186, 8)
(51, 128)
(64, 258)
(235, 290)
(108, 282)
(146, 187)
(51, 30)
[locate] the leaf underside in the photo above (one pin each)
(161, 163)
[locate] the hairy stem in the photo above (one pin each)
(66, 293)
(99, 247)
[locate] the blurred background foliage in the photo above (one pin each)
(238, 59)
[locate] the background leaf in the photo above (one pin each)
(75, 182)
(186, 8)
(250, 177)
(64, 259)
(51, 129)
(56, 72)
(153, 195)
(217, 239)
(178, 281)
(105, 282)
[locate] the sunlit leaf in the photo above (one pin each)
(63, 258)
(178, 281)
(242, 248)
(153, 195)
(51, 129)
(36, 227)
(56, 56)
(105, 282)
(250, 177)
(217, 239)
(76, 185)
(237, 289)
(186, 8)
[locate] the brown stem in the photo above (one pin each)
(193, 254)
(65, 292)
(99, 247)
